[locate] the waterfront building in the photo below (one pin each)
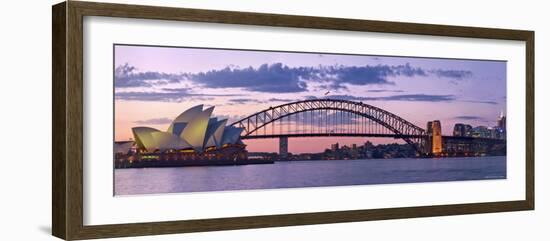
(481, 132)
(458, 130)
(499, 133)
(194, 129)
(368, 144)
(462, 130)
(192, 136)
(335, 147)
(468, 130)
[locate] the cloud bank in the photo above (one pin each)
(411, 97)
(280, 78)
(468, 117)
(128, 76)
(165, 95)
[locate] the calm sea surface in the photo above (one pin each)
(306, 174)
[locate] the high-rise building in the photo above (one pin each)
(501, 122)
(462, 130)
(459, 129)
(335, 147)
(467, 130)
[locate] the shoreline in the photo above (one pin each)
(188, 163)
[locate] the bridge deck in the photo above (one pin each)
(457, 138)
(329, 135)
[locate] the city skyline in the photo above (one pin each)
(154, 84)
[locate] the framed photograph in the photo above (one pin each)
(171, 120)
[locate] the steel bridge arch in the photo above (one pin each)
(410, 133)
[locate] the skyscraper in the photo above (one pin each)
(462, 130)
(458, 130)
(501, 122)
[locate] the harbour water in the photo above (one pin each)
(294, 174)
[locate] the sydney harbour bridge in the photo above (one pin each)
(344, 118)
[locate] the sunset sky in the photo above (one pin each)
(155, 84)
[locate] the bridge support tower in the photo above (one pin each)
(283, 147)
(434, 140)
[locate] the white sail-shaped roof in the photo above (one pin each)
(214, 133)
(144, 138)
(231, 135)
(167, 141)
(192, 129)
(185, 117)
(177, 128)
(195, 130)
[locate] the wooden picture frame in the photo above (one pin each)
(67, 123)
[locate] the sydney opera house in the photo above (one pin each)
(193, 138)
